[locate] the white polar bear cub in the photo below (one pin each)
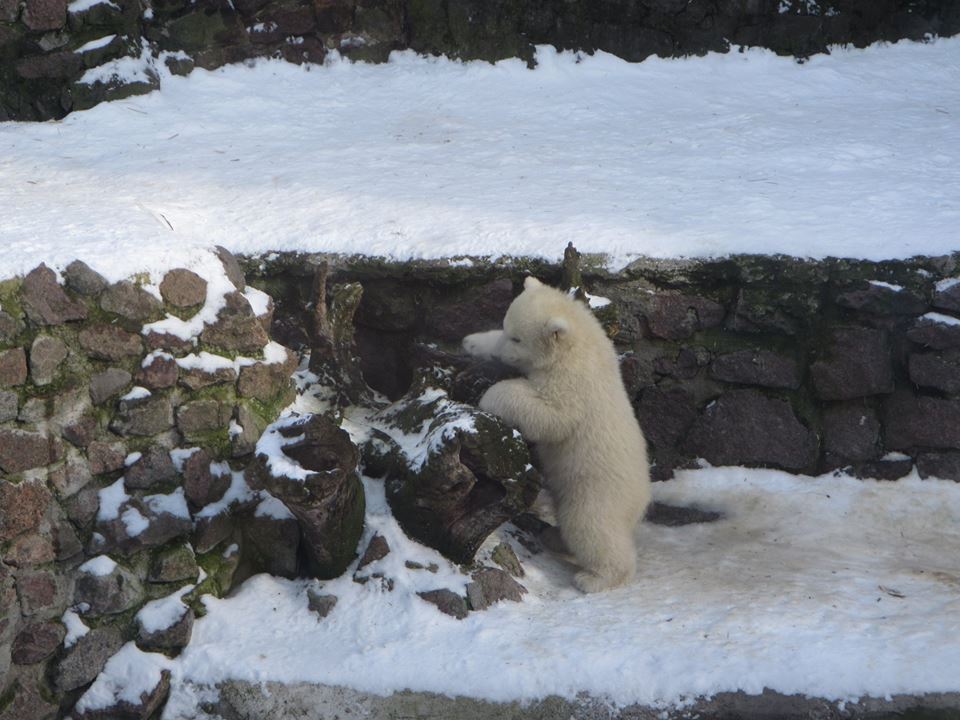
(572, 405)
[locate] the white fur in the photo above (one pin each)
(573, 406)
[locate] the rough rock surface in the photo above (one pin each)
(131, 302)
(79, 277)
(46, 355)
(912, 421)
(45, 302)
(757, 367)
(859, 364)
(677, 317)
(84, 661)
(183, 288)
(491, 585)
(13, 367)
(236, 329)
(744, 427)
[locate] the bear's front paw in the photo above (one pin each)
(482, 344)
(494, 399)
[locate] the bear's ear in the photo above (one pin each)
(531, 282)
(557, 327)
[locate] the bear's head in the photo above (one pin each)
(537, 327)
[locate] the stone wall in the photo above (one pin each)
(130, 416)
(771, 362)
(62, 55)
(122, 446)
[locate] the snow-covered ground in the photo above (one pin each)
(851, 154)
(831, 587)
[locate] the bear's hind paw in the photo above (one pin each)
(589, 582)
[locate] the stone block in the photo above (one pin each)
(105, 457)
(82, 662)
(757, 367)
(937, 331)
(678, 317)
(882, 299)
(153, 468)
(108, 384)
(665, 415)
(912, 421)
(44, 301)
(37, 642)
(857, 363)
(491, 585)
(130, 301)
(183, 288)
(40, 593)
(108, 342)
(943, 465)
(13, 367)
(946, 294)
(143, 416)
(851, 432)
(45, 14)
(79, 277)
(47, 353)
(107, 594)
(447, 602)
(744, 427)
(176, 564)
(938, 370)
(160, 372)
(22, 450)
(198, 417)
(236, 328)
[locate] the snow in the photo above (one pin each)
(151, 357)
(271, 444)
(174, 503)
(447, 418)
(134, 521)
(429, 158)
(271, 507)
(127, 675)
(132, 458)
(137, 393)
(940, 318)
(160, 614)
(829, 586)
(112, 498)
(79, 6)
(127, 70)
(95, 44)
(887, 286)
(100, 565)
(76, 628)
(179, 456)
(237, 492)
(947, 284)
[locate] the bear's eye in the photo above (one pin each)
(515, 339)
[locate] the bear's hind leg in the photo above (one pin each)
(605, 552)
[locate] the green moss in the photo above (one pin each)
(10, 297)
(9, 695)
(218, 581)
(216, 441)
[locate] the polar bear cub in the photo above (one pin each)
(572, 405)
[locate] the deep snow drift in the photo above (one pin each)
(852, 154)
